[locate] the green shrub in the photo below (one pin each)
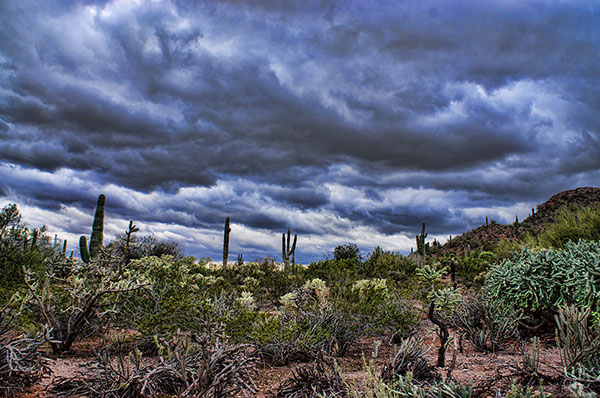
(377, 305)
(572, 224)
(177, 296)
(579, 345)
(386, 264)
(19, 247)
(333, 271)
(306, 326)
(348, 251)
(474, 265)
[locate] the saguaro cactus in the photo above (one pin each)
(226, 243)
(97, 233)
(422, 247)
(286, 251)
(240, 259)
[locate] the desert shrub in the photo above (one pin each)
(333, 271)
(474, 265)
(263, 279)
(409, 358)
(19, 247)
(407, 387)
(21, 363)
(189, 366)
(386, 264)
(486, 323)
(306, 326)
(579, 346)
(377, 305)
(546, 279)
(520, 391)
(572, 224)
(72, 297)
(237, 314)
(321, 378)
(178, 296)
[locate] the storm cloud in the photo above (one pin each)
(346, 121)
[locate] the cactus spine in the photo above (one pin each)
(286, 251)
(226, 243)
(97, 233)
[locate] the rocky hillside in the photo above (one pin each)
(485, 236)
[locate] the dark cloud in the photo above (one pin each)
(323, 117)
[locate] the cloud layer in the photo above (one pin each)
(353, 121)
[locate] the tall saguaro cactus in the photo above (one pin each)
(422, 247)
(286, 251)
(226, 243)
(97, 233)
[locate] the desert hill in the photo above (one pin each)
(485, 236)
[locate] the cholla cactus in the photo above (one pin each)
(370, 288)
(86, 288)
(289, 301)
(247, 301)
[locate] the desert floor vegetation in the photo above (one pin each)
(137, 318)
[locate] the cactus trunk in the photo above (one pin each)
(226, 243)
(98, 227)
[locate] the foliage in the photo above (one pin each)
(189, 366)
(348, 251)
(306, 327)
(321, 378)
(409, 358)
(145, 246)
(407, 387)
(333, 271)
(519, 391)
(263, 279)
(175, 298)
(21, 363)
(19, 247)
(474, 265)
(548, 278)
(487, 324)
(579, 345)
(377, 306)
(442, 302)
(70, 296)
(386, 264)
(572, 224)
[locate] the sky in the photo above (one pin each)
(346, 121)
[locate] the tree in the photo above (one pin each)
(348, 251)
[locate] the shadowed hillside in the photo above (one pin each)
(485, 236)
